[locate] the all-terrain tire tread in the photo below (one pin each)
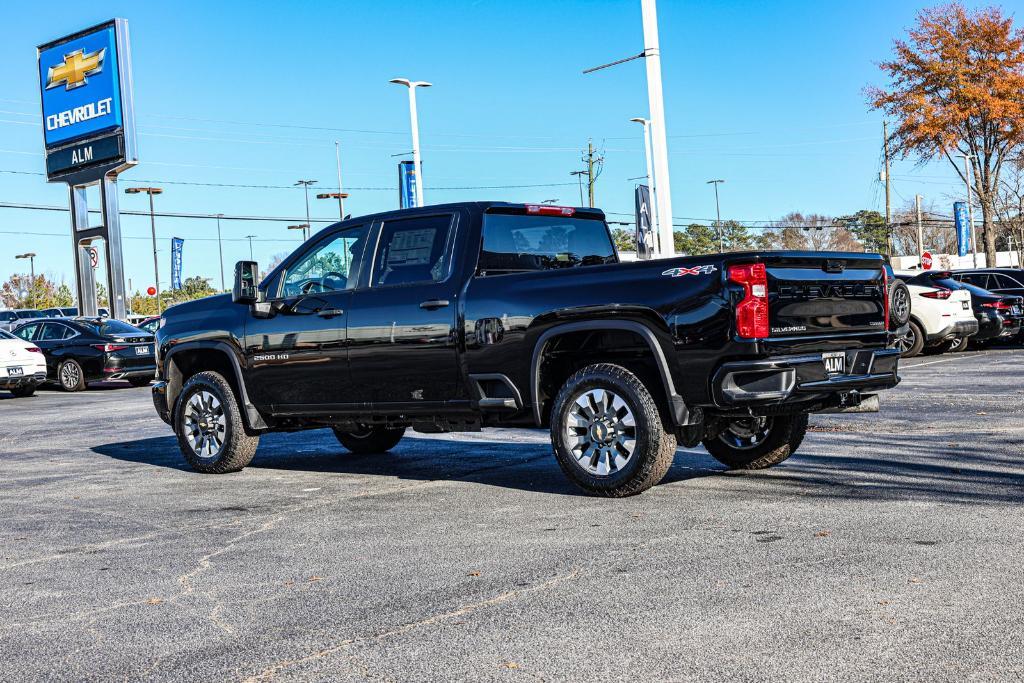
(240, 446)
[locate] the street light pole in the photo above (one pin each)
(970, 210)
(415, 126)
(152, 227)
(340, 196)
(220, 250)
(31, 256)
(659, 143)
(718, 216)
(305, 185)
(249, 237)
(341, 188)
(650, 169)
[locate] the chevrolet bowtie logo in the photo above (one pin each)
(72, 72)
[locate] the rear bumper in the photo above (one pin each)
(160, 401)
(993, 326)
(28, 379)
(803, 378)
(961, 328)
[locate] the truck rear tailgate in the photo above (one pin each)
(837, 295)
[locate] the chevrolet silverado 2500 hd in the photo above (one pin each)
(488, 314)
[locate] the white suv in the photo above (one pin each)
(939, 317)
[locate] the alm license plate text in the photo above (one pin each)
(141, 350)
(15, 372)
(835, 363)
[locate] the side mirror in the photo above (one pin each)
(244, 290)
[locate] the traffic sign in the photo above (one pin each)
(94, 257)
(151, 291)
(926, 260)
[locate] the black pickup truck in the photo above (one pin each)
(488, 314)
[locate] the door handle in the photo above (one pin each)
(330, 312)
(434, 303)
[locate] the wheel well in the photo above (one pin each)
(184, 364)
(566, 353)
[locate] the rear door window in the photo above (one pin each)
(517, 243)
(976, 279)
(413, 250)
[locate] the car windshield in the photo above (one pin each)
(28, 315)
(111, 327)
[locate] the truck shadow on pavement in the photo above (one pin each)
(856, 466)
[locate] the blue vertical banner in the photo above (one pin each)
(176, 244)
(644, 231)
(406, 185)
(963, 228)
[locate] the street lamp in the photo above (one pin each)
(249, 237)
(31, 256)
(305, 185)
(302, 227)
(152, 227)
(220, 250)
(340, 196)
(718, 215)
(646, 123)
(415, 126)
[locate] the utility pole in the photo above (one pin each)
(718, 216)
(590, 172)
(220, 250)
(305, 184)
(920, 231)
(888, 200)
(249, 237)
(970, 210)
(152, 227)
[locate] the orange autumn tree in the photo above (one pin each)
(956, 87)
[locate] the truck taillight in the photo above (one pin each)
(752, 310)
(940, 293)
(885, 295)
(548, 210)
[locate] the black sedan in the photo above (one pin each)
(1000, 316)
(80, 350)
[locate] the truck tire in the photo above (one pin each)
(370, 439)
(754, 443)
(71, 376)
(209, 426)
(899, 304)
(911, 343)
(607, 432)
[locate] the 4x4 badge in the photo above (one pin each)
(696, 270)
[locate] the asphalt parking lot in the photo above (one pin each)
(890, 547)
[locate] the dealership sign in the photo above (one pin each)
(86, 91)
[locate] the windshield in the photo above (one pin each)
(517, 243)
(112, 327)
(28, 315)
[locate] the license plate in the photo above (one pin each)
(1016, 310)
(965, 304)
(15, 372)
(835, 363)
(141, 350)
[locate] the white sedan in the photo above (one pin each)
(939, 316)
(22, 365)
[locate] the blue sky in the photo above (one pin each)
(766, 95)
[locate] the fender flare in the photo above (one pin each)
(250, 413)
(677, 407)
